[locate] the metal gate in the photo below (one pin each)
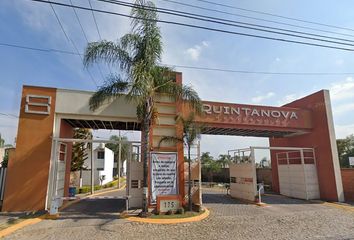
(56, 185)
(298, 174)
(2, 182)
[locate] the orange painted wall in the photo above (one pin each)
(66, 131)
(27, 175)
(348, 183)
(319, 139)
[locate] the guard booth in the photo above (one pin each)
(296, 168)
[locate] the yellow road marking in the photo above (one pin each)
(20, 225)
(340, 206)
(171, 221)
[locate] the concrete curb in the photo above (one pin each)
(171, 221)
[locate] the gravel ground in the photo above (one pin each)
(229, 219)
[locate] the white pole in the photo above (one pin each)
(119, 158)
(92, 170)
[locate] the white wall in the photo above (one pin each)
(246, 181)
(106, 164)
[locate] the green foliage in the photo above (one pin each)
(115, 147)
(209, 165)
(79, 153)
(224, 160)
(5, 161)
(2, 141)
(180, 210)
(345, 150)
(86, 189)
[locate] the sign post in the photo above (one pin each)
(163, 175)
(351, 161)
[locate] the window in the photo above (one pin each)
(100, 155)
(232, 179)
(135, 184)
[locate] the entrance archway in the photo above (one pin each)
(304, 123)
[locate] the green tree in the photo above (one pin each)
(2, 141)
(115, 148)
(137, 55)
(5, 161)
(79, 153)
(209, 165)
(345, 150)
(224, 160)
(191, 133)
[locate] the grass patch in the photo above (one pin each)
(114, 183)
(176, 216)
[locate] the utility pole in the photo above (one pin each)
(119, 158)
(92, 169)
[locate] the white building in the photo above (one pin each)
(103, 166)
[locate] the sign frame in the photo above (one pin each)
(151, 179)
(351, 161)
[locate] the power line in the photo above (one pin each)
(98, 30)
(84, 33)
(205, 28)
(191, 67)
(9, 115)
(227, 22)
(255, 18)
(276, 15)
(69, 40)
(94, 19)
(255, 72)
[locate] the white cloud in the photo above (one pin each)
(343, 131)
(339, 62)
(343, 108)
(261, 98)
(342, 89)
(194, 52)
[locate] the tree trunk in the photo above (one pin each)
(189, 180)
(145, 150)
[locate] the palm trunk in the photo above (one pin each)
(145, 150)
(189, 180)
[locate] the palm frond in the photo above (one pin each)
(169, 139)
(145, 25)
(111, 88)
(108, 52)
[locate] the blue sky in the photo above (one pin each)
(28, 23)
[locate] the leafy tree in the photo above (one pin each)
(2, 141)
(5, 161)
(191, 133)
(115, 148)
(224, 160)
(209, 165)
(79, 153)
(345, 150)
(137, 55)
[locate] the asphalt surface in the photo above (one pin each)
(283, 218)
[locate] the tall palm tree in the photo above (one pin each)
(137, 55)
(191, 133)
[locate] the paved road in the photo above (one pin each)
(229, 219)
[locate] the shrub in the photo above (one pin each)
(180, 211)
(169, 212)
